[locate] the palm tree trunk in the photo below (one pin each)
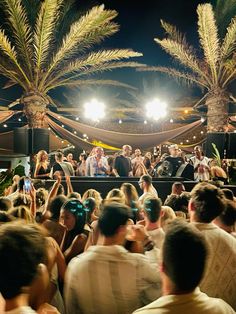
(217, 111)
(35, 106)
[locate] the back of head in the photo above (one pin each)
(22, 249)
(146, 178)
(116, 193)
(177, 188)
(228, 216)
(5, 204)
(152, 208)
(55, 205)
(59, 156)
(184, 255)
(22, 212)
(228, 194)
(90, 205)
(113, 216)
(208, 200)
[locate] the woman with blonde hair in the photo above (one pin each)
(42, 169)
(131, 199)
(218, 174)
(95, 194)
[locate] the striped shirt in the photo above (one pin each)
(110, 280)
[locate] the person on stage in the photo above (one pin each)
(97, 165)
(123, 166)
(200, 164)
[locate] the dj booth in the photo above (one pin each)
(105, 184)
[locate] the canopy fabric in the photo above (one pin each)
(119, 139)
(67, 135)
(5, 115)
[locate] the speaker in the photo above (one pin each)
(231, 147)
(220, 140)
(30, 141)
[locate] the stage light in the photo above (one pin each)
(202, 119)
(94, 110)
(145, 121)
(120, 121)
(77, 118)
(5, 125)
(156, 109)
(171, 120)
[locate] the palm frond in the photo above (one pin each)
(209, 40)
(224, 10)
(21, 31)
(90, 29)
(186, 77)
(9, 51)
(184, 55)
(43, 31)
(9, 73)
(79, 83)
(97, 61)
(173, 32)
(229, 42)
(229, 71)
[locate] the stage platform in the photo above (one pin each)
(105, 184)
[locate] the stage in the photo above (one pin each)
(105, 184)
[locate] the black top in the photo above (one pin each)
(42, 170)
(123, 165)
(175, 162)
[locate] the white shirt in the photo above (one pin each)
(95, 167)
(110, 280)
(157, 236)
(196, 302)
(200, 173)
(220, 275)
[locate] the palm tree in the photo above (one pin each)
(35, 55)
(213, 71)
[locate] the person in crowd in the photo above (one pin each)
(5, 203)
(96, 195)
(97, 165)
(73, 217)
(177, 188)
(61, 168)
(42, 168)
(131, 199)
(73, 162)
(124, 280)
(184, 257)
(110, 170)
(178, 202)
(167, 216)
(228, 194)
(26, 247)
(116, 194)
(227, 219)
(123, 166)
(208, 202)
(81, 166)
(145, 184)
(152, 218)
(200, 164)
(137, 164)
(91, 209)
(55, 229)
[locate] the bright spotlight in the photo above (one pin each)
(94, 110)
(156, 109)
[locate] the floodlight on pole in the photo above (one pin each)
(156, 109)
(94, 110)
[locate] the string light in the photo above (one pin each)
(120, 121)
(75, 132)
(5, 125)
(84, 135)
(181, 143)
(185, 111)
(77, 118)
(202, 119)
(171, 120)
(62, 126)
(187, 141)
(19, 119)
(49, 128)
(194, 137)
(202, 132)
(145, 121)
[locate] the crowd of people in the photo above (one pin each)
(62, 252)
(125, 164)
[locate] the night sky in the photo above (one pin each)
(139, 24)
